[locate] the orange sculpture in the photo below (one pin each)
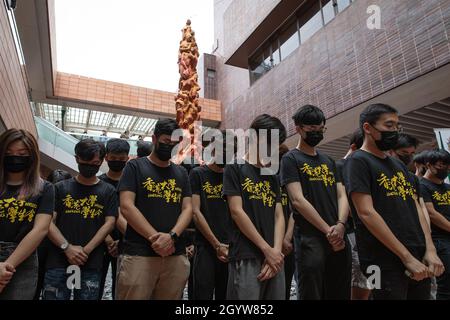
(187, 100)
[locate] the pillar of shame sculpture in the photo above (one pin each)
(187, 100)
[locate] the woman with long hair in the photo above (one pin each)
(26, 209)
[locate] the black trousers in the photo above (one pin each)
(323, 273)
(42, 252)
(210, 275)
(395, 285)
(108, 259)
(289, 270)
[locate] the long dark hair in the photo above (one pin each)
(32, 184)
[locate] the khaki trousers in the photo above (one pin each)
(146, 278)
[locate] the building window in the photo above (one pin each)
(276, 58)
(342, 4)
(328, 10)
(289, 40)
(311, 21)
(211, 73)
(262, 64)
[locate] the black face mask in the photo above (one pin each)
(313, 138)
(164, 151)
(88, 170)
(388, 140)
(441, 174)
(405, 158)
(116, 165)
(16, 164)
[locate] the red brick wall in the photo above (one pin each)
(126, 96)
(15, 110)
(345, 63)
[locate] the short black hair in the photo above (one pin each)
(373, 112)
(58, 175)
(435, 156)
(265, 121)
(309, 115)
(406, 141)
(117, 146)
(165, 126)
(357, 138)
(421, 158)
(144, 149)
(86, 149)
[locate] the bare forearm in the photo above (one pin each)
(203, 226)
(100, 236)
(344, 207)
(55, 235)
(183, 221)
(290, 229)
(27, 246)
(311, 215)
(425, 212)
(136, 220)
(246, 226)
(380, 230)
(424, 226)
(121, 223)
(438, 219)
(279, 228)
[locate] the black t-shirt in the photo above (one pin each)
(115, 234)
(260, 194)
(285, 204)
(439, 196)
(81, 212)
(393, 194)
(104, 177)
(413, 178)
(208, 185)
(318, 177)
(17, 215)
(159, 197)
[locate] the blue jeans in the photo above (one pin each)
(55, 285)
(443, 282)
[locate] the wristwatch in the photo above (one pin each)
(64, 246)
(174, 236)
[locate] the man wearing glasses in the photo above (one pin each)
(392, 234)
(320, 212)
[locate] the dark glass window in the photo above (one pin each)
(211, 73)
(289, 40)
(276, 59)
(310, 18)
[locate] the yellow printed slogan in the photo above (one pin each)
(17, 210)
(319, 173)
(86, 207)
(212, 192)
(443, 199)
(167, 190)
(260, 191)
(397, 186)
(284, 199)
